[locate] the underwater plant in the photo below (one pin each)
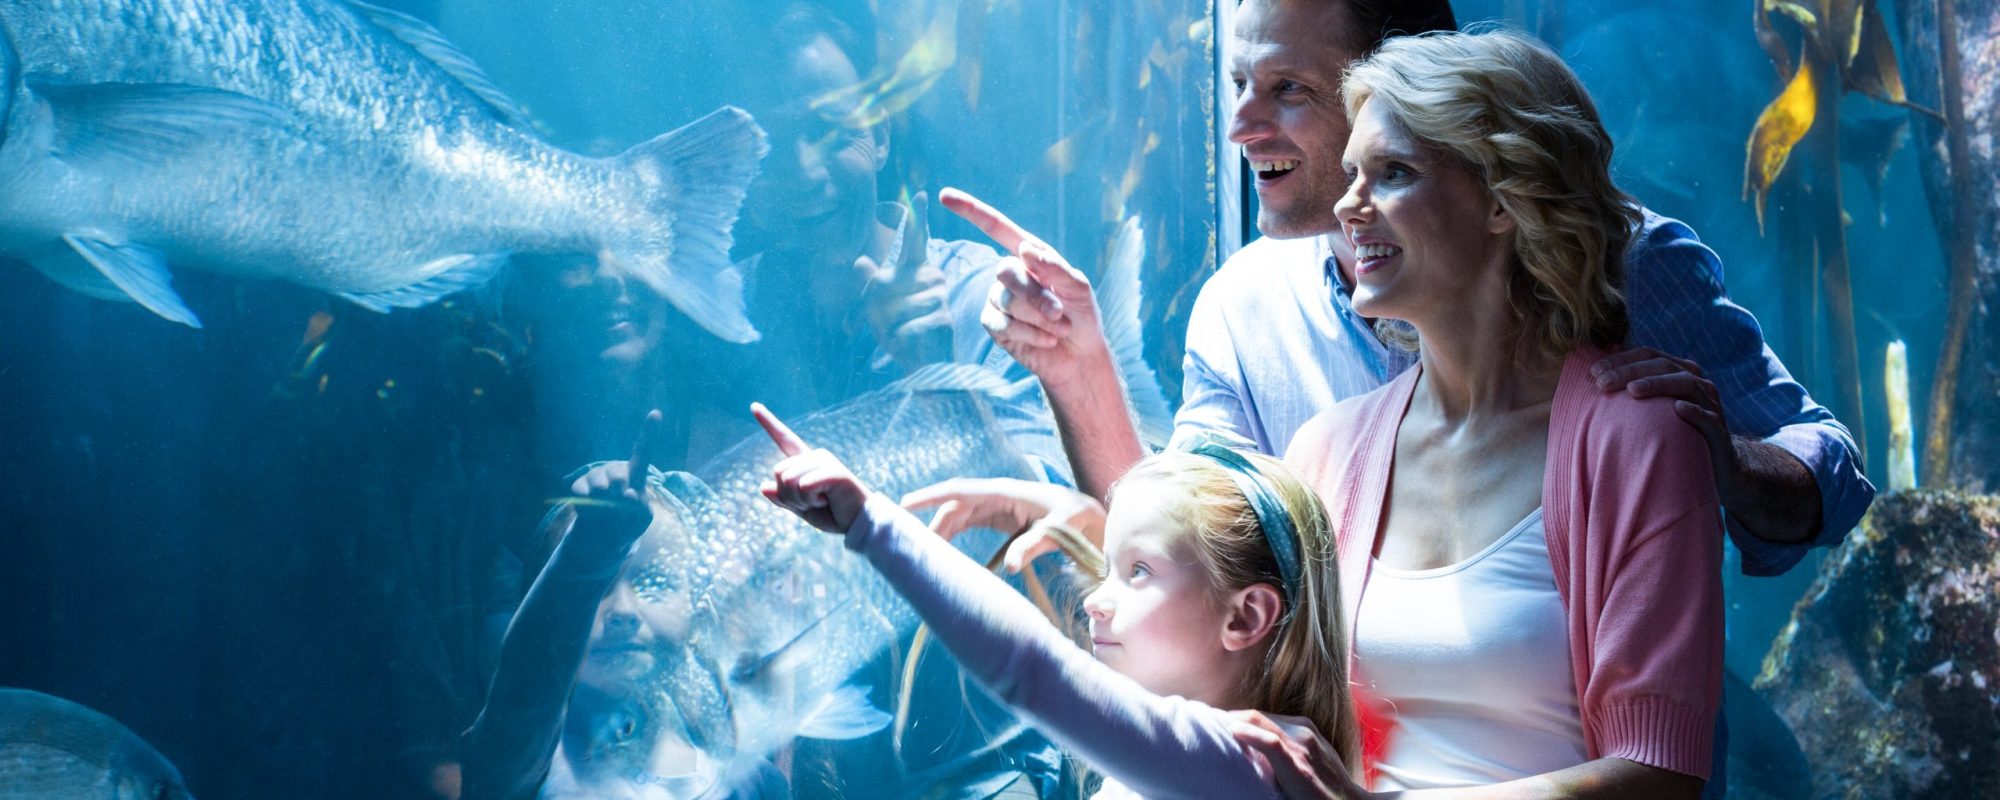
(1845, 47)
(1954, 46)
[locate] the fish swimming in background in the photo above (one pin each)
(331, 144)
(51, 747)
(781, 616)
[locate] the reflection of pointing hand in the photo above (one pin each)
(810, 483)
(622, 484)
(1040, 310)
(905, 298)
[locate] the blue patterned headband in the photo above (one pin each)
(1270, 511)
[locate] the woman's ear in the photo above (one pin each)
(1501, 221)
(1253, 613)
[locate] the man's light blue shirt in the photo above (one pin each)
(1274, 340)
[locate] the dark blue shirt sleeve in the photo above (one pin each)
(1675, 291)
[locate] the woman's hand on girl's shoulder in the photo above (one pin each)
(1302, 762)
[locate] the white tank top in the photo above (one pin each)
(1468, 668)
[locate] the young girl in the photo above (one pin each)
(1218, 595)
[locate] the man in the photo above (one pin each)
(1273, 340)
(1256, 370)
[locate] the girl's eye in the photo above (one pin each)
(1141, 570)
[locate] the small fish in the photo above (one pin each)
(335, 145)
(53, 748)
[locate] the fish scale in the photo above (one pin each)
(783, 616)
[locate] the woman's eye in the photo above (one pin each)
(1396, 172)
(1141, 570)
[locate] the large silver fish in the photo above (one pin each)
(781, 617)
(51, 747)
(330, 144)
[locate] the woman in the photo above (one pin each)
(1530, 565)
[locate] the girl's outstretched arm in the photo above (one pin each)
(1160, 747)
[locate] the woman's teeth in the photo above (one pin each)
(1367, 251)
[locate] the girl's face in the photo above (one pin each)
(630, 631)
(1155, 617)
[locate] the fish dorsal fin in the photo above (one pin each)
(148, 122)
(844, 713)
(448, 275)
(139, 271)
(1119, 291)
(690, 491)
(952, 377)
(432, 45)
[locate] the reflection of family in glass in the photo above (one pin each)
(1442, 511)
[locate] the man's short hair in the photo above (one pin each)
(798, 24)
(1372, 22)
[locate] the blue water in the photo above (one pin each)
(288, 570)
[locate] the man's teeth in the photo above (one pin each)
(1375, 250)
(1274, 166)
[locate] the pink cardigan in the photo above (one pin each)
(1635, 538)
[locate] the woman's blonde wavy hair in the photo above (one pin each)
(1509, 108)
(1305, 668)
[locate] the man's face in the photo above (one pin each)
(1286, 60)
(816, 192)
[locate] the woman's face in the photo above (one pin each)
(1428, 236)
(1154, 618)
(815, 193)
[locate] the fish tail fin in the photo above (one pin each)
(696, 177)
(1118, 296)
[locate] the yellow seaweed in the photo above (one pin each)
(883, 95)
(1799, 13)
(1060, 158)
(1781, 126)
(1874, 72)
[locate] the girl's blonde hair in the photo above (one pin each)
(1510, 109)
(1305, 667)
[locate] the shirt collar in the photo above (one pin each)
(1329, 262)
